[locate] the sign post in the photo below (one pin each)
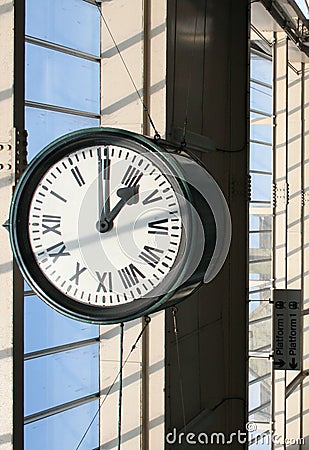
(287, 329)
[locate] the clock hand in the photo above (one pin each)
(106, 177)
(103, 189)
(100, 184)
(127, 196)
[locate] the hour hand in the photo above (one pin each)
(128, 195)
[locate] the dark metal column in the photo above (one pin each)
(207, 80)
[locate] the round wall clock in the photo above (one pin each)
(107, 225)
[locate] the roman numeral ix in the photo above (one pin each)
(61, 251)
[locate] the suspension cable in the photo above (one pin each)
(156, 133)
(174, 312)
(120, 386)
(147, 322)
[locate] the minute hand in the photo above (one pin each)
(125, 194)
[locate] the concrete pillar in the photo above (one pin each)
(11, 164)
(280, 230)
(290, 225)
(305, 385)
(294, 219)
(139, 28)
(6, 261)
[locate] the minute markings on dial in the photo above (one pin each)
(132, 275)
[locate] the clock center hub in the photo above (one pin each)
(104, 226)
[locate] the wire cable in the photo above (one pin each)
(120, 386)
(174, 312)
(156, 135)
(147, 322)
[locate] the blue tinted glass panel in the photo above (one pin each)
(26, 287)
(262, 295)
(254, 276)
(64, 431)
(261, 187)
(261, 128)
(44, 126)
(60, 79)
(253, 306)
(261, 69)
(61, 377)
(259, 222)
(303, 4)
(260, 241)
(72, 23)
(260, 98)
(261, 157)
(259, 246)
(45, 328)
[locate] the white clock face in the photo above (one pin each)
(105, 225)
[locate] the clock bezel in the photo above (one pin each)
(20, 240)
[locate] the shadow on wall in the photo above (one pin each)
(6, 438)
(7, 93)
(298, 443)
(7, 7)
(110, 445)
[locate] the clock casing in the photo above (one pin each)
(106, 228)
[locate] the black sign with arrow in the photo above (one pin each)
(287, 323)
(279, 364)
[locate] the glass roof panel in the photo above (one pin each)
(71, 23)
(303, 5)
(65, 430)
(60, 378)
(59, 79)
(45, 328)
(261, 157)
(44, 126)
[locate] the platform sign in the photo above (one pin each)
(287, 329)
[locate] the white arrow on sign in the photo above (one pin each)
(287, 324)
